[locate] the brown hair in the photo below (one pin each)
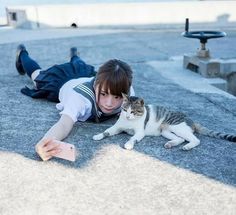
(114, 75)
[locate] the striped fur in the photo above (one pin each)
(152, 120)
(207, 132)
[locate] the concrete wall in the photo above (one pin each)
(123, 14)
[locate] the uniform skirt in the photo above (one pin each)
(49, 82)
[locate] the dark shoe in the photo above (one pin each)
(19, 66)
(73, 52)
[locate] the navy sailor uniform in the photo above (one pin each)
(87, 90)
(50, 81)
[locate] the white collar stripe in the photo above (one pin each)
(87, 90)
(91, 94)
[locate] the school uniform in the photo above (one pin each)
(49, 82)
(71, 84)
(78, 101)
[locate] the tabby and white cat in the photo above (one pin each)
(152, 120)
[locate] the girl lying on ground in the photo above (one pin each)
(81, 93)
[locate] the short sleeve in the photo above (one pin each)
(75, 106)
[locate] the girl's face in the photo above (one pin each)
(108, 102)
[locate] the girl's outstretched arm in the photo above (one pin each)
(46, 147)
(61, 129)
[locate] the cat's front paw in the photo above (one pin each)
(129, 145)
(168, 145)
(98, 136)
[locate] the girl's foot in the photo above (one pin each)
(73, 52)
(19, 66)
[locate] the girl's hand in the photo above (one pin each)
(47, 148)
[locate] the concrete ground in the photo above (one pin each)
(106, 179)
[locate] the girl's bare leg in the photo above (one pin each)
(34, 75)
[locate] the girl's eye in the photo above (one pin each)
(117, 97)
(103, 94)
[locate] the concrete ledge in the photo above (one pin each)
(103, 14)
(190, 80)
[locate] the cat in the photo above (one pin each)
(152, 120)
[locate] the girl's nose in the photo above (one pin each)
(109, 102)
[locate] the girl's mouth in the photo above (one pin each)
(107, 110)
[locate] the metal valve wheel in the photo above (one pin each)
(203, 36)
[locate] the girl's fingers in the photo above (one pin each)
(48, 155)
(45, 158)
(54, 152)
(42, 143)
(50, 146)
(45, 141)
(47, 148)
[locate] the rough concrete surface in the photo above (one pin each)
(106, 179)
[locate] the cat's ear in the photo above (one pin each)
(125, 97)
(140, 101)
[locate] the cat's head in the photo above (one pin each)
(132, 107)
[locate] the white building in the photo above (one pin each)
(123, 14)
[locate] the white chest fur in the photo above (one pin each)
(134, 124)
(138, 124)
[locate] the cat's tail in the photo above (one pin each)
(207, 132)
